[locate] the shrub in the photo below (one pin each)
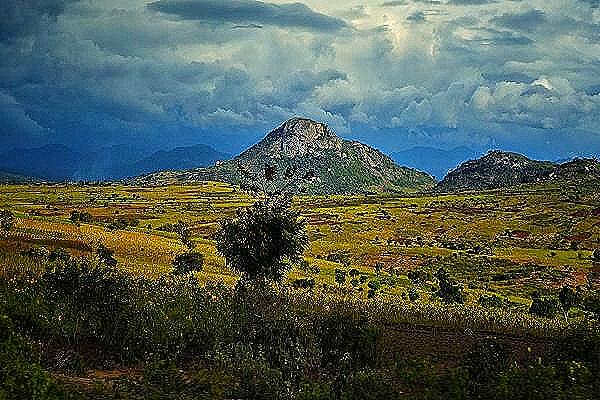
(493, 300)
(188, 262)
(449, 290)
(544, 306)
(105, 255)
(21, 377)
(366, 385)
(7, 220)
(347, 340)
(81, 216)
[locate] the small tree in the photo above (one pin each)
(340, 276)
(568, 298)
(544, 306)
(185, 235)
(105, 255)
(188, 262)
(263, 241)
(7, 220)
(450, 291)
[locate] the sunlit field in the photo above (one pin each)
(505, 243)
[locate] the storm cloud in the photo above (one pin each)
(513, 74)
(24, 17)
(291, 15)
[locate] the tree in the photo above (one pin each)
(7, 220)
(191, 260)
(185, 235)
(568, 298)
(263, 240)
(544, 306)
(188, 262)
(450, 291)
(596, 255)
(340, 276)
(106, 256)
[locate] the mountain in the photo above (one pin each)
(179, 158)
(435, 161)
(53, 162)
(500, 169)
(107, 163)
(59, 162)
(340, 166)
(7, 178)
(582, 170)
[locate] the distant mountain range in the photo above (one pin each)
(9, 178)
(501, 169)
(340, 166)
(59, 162)
(438, 162)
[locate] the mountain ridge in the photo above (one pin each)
(503, 169)
(60, 163)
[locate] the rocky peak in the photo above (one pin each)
(500, 157)
(301, 136)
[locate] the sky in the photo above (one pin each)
(517, 75)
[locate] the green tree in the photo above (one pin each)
(185, 235)
(449, 290)
(568, 298)
(7, 220)
(188, 262)
(105, 255)
(263, 240)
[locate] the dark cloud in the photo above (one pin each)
(293, 15)
(417, 16)
(527, 21)
(23, 17)
(395, 3)
(470, 2)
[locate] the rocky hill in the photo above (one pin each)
(500, 169)
(339, 166)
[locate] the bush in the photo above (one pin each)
(21, 377)
(346, 338)
(449, 290)
(188, 262)
(544, 306)
(7, 220)
(493, 300)
(366, 385)
(105, 255)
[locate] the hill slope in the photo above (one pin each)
(500, 169)
(340, 166)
